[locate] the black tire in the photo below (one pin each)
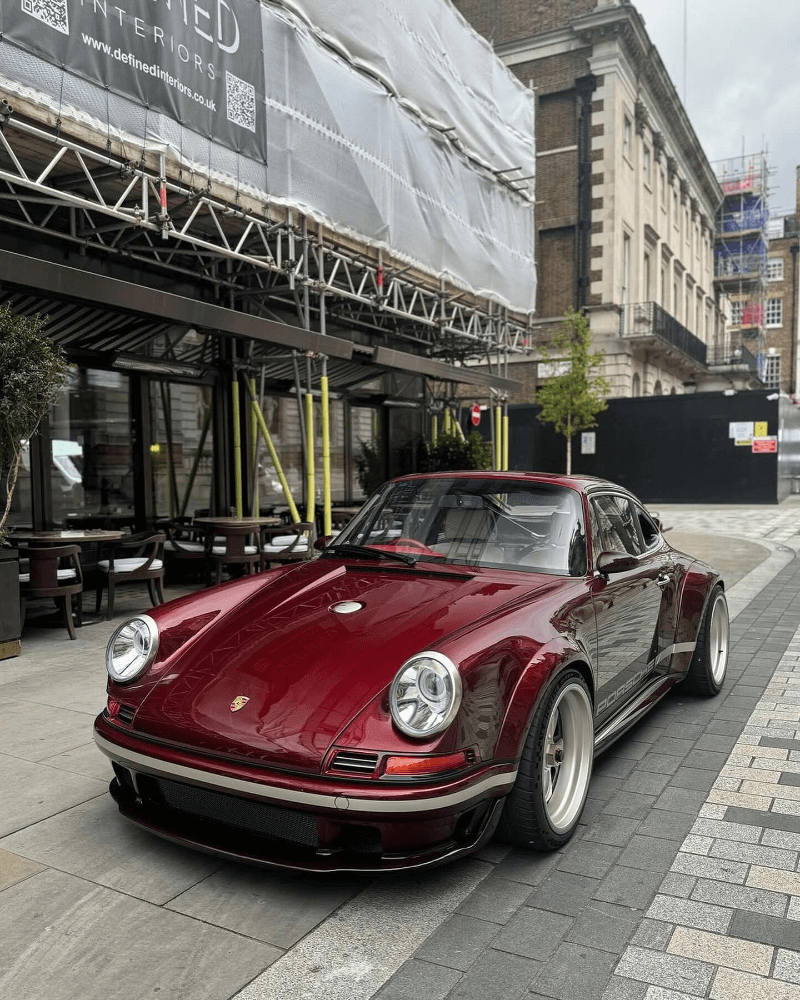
(546, 802)
(706, 673)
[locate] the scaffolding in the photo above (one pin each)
(740, 252)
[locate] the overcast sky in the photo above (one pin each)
(742, 78)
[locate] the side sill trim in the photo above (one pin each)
(275, 793)
(635, 709)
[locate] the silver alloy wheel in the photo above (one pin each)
(567, 758)
(718, 639)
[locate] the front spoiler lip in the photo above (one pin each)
(376, 801)
(320, 863)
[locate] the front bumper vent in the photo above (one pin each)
(256, 817)
(354, 762)
(126, 714)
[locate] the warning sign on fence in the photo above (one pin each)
(762, 445)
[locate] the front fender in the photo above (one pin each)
(533, 682)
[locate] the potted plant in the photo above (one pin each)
(32, 371)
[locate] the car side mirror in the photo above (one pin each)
(614, 562)
(323, 540)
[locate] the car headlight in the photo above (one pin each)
(425, 695)
(131, 648)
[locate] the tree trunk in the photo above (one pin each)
(569, 454)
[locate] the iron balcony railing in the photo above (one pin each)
(648, 319)
(733, 354)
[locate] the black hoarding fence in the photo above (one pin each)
(197, 61)
(700, 448)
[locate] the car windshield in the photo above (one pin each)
(495, 522)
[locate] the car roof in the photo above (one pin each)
(581, 483)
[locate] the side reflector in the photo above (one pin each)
(407, 767)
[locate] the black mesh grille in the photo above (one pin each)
(265, 820)
(126, 714)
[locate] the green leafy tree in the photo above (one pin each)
(32, 371)
(571, 402)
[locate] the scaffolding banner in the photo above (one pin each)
(199, 62)
(303, 122)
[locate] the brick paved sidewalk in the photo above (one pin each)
(683, 878)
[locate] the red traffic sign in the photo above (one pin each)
(475, 414)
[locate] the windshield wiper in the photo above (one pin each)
(364, 550)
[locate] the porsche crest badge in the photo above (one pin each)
(239, 702)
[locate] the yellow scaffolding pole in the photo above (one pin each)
(237, 448)
(327, 521)
(505, 442)
(273, 454)
(434, 429)
(498, 445)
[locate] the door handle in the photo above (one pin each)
(662, 579)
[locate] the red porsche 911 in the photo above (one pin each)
(447, 668)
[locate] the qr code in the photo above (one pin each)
(51, 12)
(241, 101)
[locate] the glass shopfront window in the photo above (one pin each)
(366, 450)
(91, 468)
(20, 515)
(181, 448)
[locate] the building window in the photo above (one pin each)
(637, 385)
(627, 129)
(663, 187)
(774, 312)
(771, 374)
(675, 207)
(646, 164)
(626, 267)
(736, 313)
(646, 279)
(675, 298)
(775, 269)
(664, 287)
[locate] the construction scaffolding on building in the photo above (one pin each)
(329, 204)
(740, 256)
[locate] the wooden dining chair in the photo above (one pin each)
(231, 545)
(288, 543)
(145, 561)
(52, 571)
(184, 548)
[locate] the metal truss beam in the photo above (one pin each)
(103, 204)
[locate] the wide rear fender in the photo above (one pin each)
(698, 583)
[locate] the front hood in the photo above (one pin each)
(305, 669)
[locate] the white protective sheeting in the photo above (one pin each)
(351, 142)
(438, 66)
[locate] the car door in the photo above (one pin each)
(627, 604)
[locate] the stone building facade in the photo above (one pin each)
(780, 362)
(625, 196)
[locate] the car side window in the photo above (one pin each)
(618, 526)
(650, 533)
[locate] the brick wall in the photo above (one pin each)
(504, 20)
(556, 291)
(554, 73)
(781, 338)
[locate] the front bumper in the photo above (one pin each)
(300, 822)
